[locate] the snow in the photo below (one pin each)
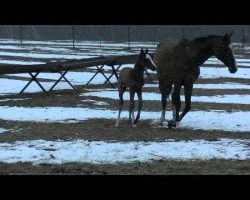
(101, 152)
(218, 86)
(3, 130)
(20, 62)
(8, 86)
(205, 120)
(44, 55)
(98, 103)
(58, 152)
(151, 96)
(3, 100)
(238, 60)
(213, 72)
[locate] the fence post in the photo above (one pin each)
(128, 37)
(243, 41)
(73, 35)
(21, 34)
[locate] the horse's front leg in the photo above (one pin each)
(121, 102)
(176, 102)
(139, 94)
(131, 107)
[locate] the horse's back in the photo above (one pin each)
(163, 50)
(124, 76)
(164, 54)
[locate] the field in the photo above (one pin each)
(64, 132)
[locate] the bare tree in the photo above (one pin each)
(73, 35)
(34, 32)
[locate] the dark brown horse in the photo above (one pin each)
(178, 65)
(133, 79)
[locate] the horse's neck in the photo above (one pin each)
(203, 52)
(138, 69)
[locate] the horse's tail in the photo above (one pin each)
(158, 45)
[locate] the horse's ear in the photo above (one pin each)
(230, 34)
(142, 51)
(146, 51)
(226, 35)
(227, 38)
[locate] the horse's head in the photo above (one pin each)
(146, 61)
(224, 52)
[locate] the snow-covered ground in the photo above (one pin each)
(151, 96)
(20, 62)
(101, 152)
(213, 72)
(205, 120)
(218, 86)
(9, 86)
(206, 73)
(41, 151)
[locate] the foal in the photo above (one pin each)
(133, 79)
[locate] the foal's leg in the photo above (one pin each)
(139, 94)
(122, 89)
(188, 88)
(131, 106)
(176, 102)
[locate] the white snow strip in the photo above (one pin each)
(98, 103)
(9, 86)
(218, 86)
(43, 55)
(214, 59)
(83, 77)
(100, 152)
(3, 100)
(20, 62)
(213, 72)
(77, 78)
(204, 120)
(151, 96)
(3, 130)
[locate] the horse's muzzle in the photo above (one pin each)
(233, 69)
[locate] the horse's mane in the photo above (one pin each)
(203, 39)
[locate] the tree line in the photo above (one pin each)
(119, 33)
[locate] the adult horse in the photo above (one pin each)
(178, 65)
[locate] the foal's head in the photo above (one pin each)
(223, 51)
(146, 61)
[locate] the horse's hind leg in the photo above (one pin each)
(176, 102)
(188, 88)
(122, 89)
(139, 94)
(131, 106)
(165, 89)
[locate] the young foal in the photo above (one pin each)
(133, 79)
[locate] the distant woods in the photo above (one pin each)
(119, 33)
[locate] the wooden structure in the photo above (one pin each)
(115, 62)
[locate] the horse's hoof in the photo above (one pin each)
(116, 125)
(130, 122)
(171, 124)
(162, 122)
